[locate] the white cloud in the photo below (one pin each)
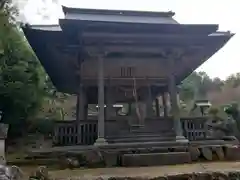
(225, 13)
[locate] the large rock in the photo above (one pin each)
(194, 152)
(207, 153)
(220, 176)
(234, 175)
(93, 157)
(10, 173)
(202, 176)
(69, 163)
(219, 152)
(180, 177)
(110, 158)
(41, 173)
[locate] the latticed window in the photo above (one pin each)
(127, 71)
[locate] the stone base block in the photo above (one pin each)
(232, 153)
(110, 158)
(181, 139)
(154, 159)
(100, 142)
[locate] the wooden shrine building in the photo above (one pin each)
(109, 57)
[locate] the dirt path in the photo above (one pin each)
(147, 171)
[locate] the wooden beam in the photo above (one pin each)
(138, 49)
(128, 48)
(96, 36)
(139, 27)
(126, 81)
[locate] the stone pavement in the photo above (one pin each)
(147, 171)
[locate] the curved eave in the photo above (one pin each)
(207, 53)
(41, 41)
(49, 27)
(62, 75)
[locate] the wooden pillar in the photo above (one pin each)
(165, 106)
(82, 102)
(101, 117)
(149, 102)
(86, 108)
(129, 108)
(77, 107)
(174, 105)
(157, 107)
(109, 103)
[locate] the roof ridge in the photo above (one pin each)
(118, 12)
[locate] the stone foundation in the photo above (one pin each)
(145, 154)
(154, 159)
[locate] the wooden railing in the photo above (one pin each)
(85, 132)
(193, 128)
(73, 133)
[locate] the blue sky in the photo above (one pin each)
(226, 13)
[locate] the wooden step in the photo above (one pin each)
(154, 159)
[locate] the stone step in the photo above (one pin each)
(140, 145)
(150, 138)
(143, 129)
(155, 159)
(128, 135)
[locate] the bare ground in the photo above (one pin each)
(142, 171)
